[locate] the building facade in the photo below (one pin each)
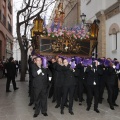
(108, 12)
(6, 23)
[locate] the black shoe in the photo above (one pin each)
(33, 108)
(66, 105)
(112, 108)
(80, 103)
(30, 104)
(62, 112)
(16, 88)
(71, 112)
(57, 106)
(116, 105)
(88, 108)
(8, 91)
(35, 115)
(45, 114)
(96, 110)
(83, 100)
(100, 101)
(76, 99)
(53, 101)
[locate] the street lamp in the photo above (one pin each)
(94, 28)
(83, 16)
(36, 31)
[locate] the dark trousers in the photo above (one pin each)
(112, 94)
(101, 90)
(59, 91)
(9, 79)
(82, 87)
(115, 94)
(55, 93)
(68, 90)
(40, 100)
(92, 90)
(31, 91)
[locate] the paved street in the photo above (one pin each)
(14, 106)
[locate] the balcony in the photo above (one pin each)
(9, 28)
(9, 7)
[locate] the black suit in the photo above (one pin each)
(31, 90)
(59, 82)
(68, 86)
(40, 83)
(92, 85)
(112, 83)
(11, 72)
(54, 75)
(81, 80)
(102, 82)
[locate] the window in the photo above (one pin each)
(114, 42)
(9, 20)
(114, 29)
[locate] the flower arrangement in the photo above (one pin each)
(73, 33)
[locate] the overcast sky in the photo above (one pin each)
(17, 5)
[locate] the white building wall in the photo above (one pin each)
(94, 6)
(108, 3)
(109, 38)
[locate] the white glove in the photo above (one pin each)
(91, 65)
(39, 71)
(73, 70)
(94, 83)
(118, 72)
(50, 78)
(98, 63)
(42, 73)
(85, 69)
(114, 66)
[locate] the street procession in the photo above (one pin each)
(59, 60)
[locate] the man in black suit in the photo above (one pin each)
(112, 83)
(54, 75)
(68, 86)
(59, 81)
(81, 80)
(11, 72)
(40, 83)
(93, 73)
(31, 89)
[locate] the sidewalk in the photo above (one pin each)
(14, 106)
